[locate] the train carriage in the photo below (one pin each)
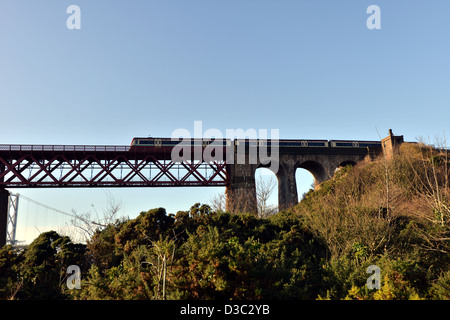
(282, 143)
(354, 144)
(167, 144)
(172, 142)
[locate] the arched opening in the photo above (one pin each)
(316, 169)
(266, 184)
(304, 181)
(347, 163)
(344, 164)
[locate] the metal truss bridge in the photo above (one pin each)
(30, 166)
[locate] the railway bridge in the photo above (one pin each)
(149, 162)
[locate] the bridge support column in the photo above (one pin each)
(4, 196)
(287, 186)
(241, 192)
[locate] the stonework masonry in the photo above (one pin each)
(321, 162)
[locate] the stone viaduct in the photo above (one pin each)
(321, 162)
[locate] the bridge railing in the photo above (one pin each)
(63, 148)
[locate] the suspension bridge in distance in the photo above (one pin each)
(35, 218)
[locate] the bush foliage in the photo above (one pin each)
(393, 214)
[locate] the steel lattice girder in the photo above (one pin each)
(104, 168)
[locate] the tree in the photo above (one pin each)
(147, 227)
(44, 266)
(264, 188)
(431, 184)
(87, 226)
(162, 254)
(9, 270)
(218, 202)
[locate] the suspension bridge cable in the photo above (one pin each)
(61, 212)
(48, 207)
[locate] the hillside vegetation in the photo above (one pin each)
(394, 214)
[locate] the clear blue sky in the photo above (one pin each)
(311, 69)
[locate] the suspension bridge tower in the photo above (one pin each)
(4, 205)
(9, 208)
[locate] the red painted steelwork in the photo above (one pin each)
(40, 166)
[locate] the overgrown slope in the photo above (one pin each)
(393, 214)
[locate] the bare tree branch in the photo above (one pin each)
(264, 188)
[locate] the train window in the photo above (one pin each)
(344, 144)
(316, 144)
(169, 143)
(287, 144)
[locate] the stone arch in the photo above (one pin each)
(347, 163)
(304, 180)
(317, 170)
(266, 166)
